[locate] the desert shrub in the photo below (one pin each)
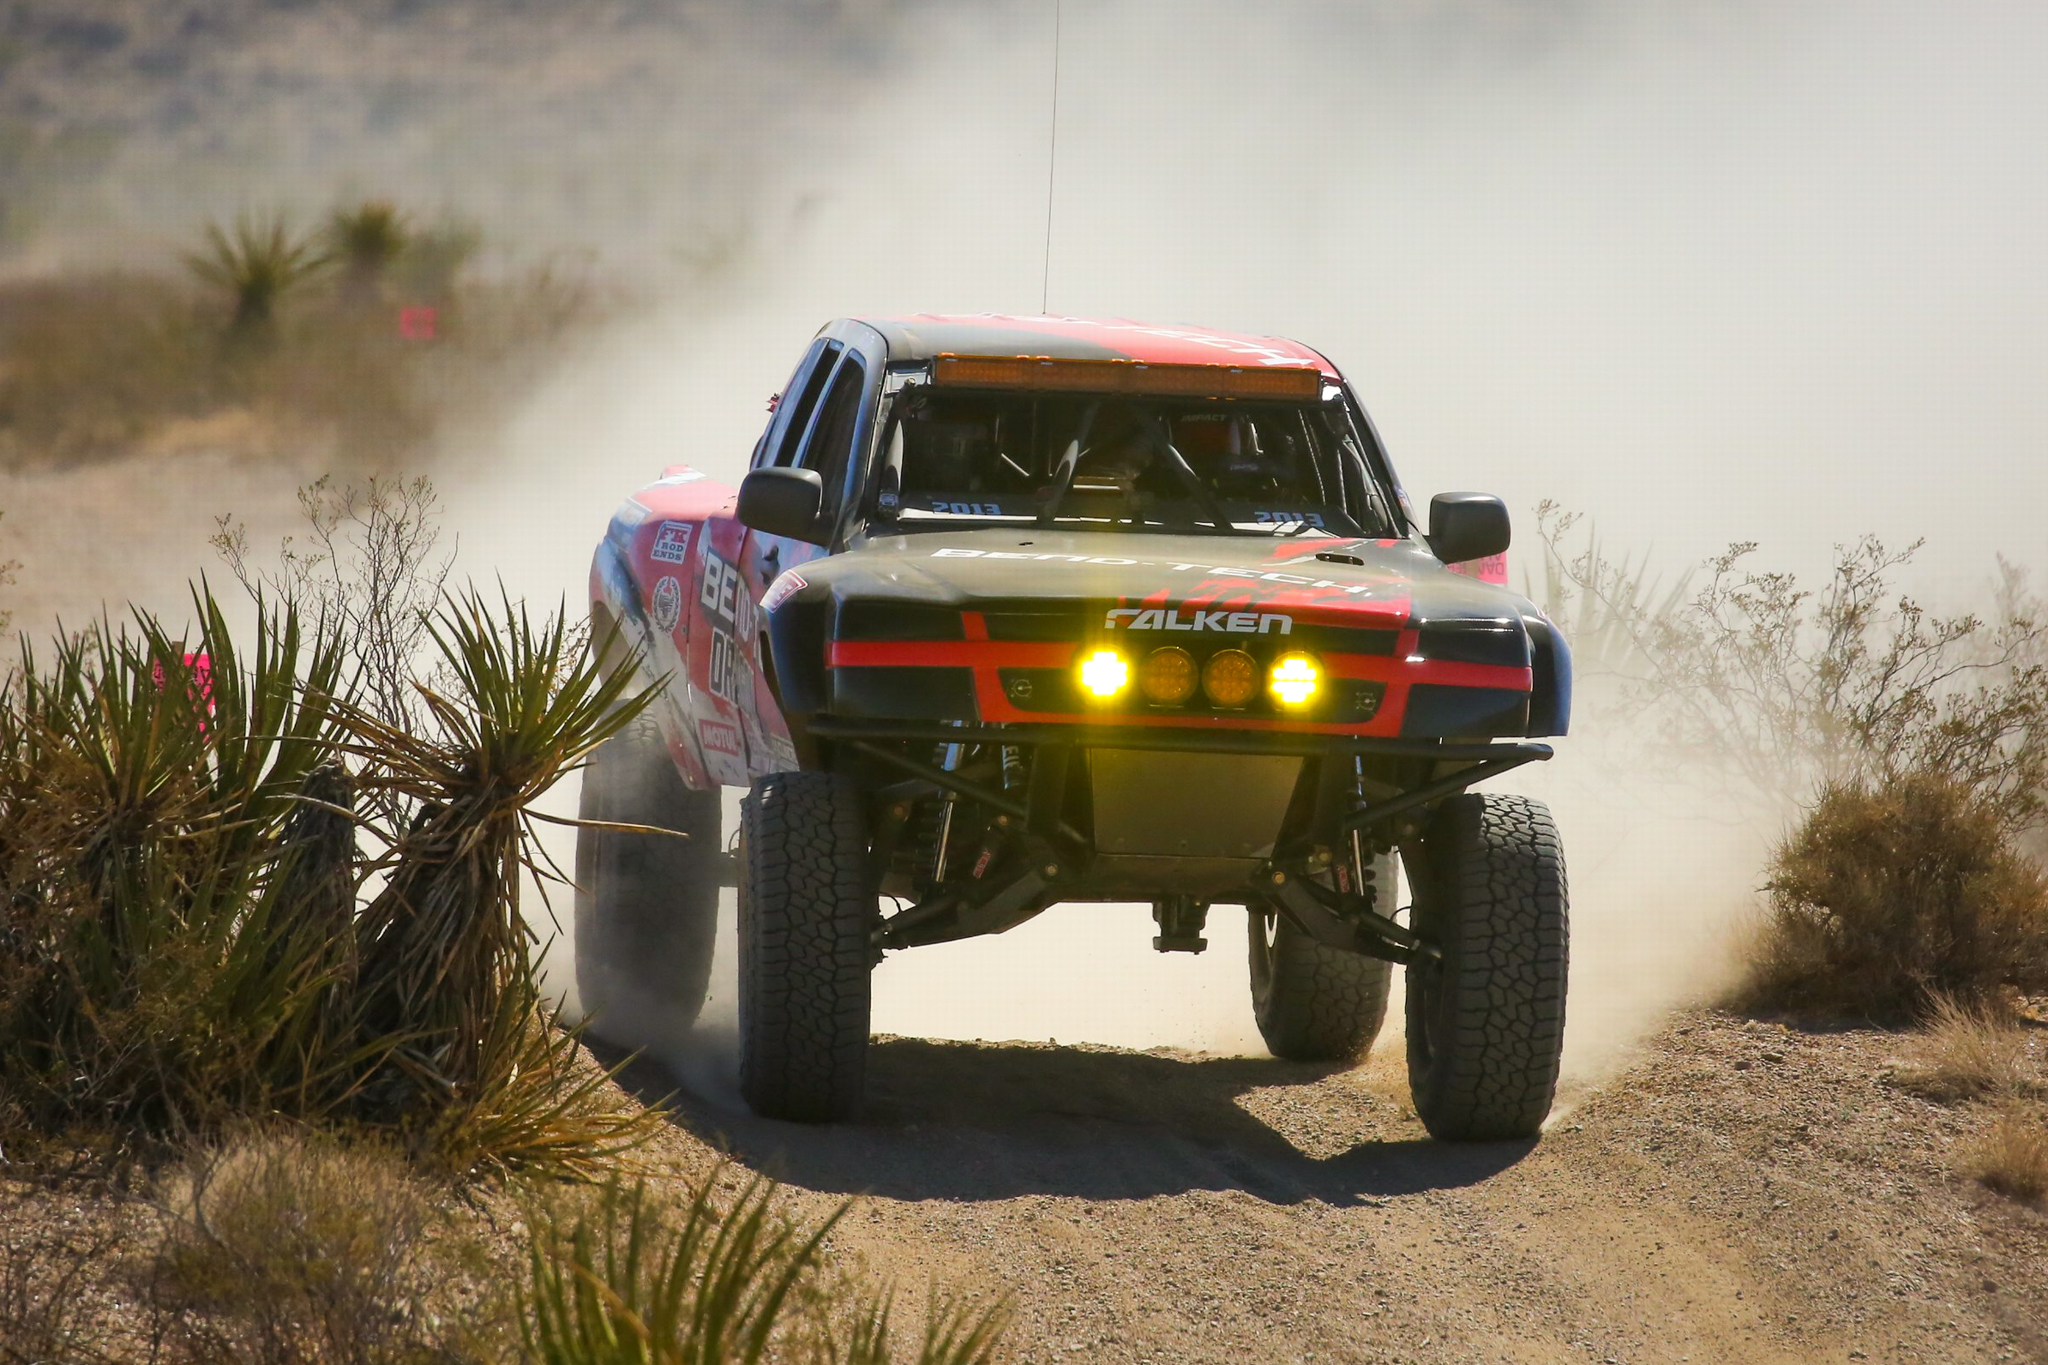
(1782, 688)
(1970, 1051)
(632, 1277)
(294, 1247)
(2011, 1156)
(1885, 897)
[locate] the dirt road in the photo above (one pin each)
(1741, 1193)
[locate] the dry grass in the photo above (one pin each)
(1973, 1052)
(2011, 1156)
(1886, 899)
(94, 365)
(295, 1247)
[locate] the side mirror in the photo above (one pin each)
(783, 502)
(1466, 526)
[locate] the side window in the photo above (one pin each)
(793, 414)
(830, 447)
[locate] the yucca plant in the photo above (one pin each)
(146, 883)
(636, 1281)
(444, 955)
(366, 240)
(258, 263)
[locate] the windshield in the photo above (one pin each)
(1185, 464)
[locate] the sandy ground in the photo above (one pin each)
(1740, 1193)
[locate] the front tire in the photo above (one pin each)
(806, 915)
(646, 904)
(1486, 1022)
(1315, 1003)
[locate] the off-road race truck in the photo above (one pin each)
(1015, 611)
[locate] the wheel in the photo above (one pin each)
(806, 915)
(1315, 1003)
(646, 904)
(1486, 1023)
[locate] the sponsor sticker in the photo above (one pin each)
(630, 514)
(727, 668)
(672, 543)
(1492, 569)
(719, 738)
(1180, 618)
(719, 589)
(667, 606)
(786, 586)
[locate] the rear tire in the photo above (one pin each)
(806, 914)
(1315, 1003)
(646, 904)
(1486, 1023)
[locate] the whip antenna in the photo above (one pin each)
(1052, 152)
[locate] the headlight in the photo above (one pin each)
(1168, 677)
(1104, 673)
(1294, 679)
(1230, 678)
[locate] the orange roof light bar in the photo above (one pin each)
(1296, 382)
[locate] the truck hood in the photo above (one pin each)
(1319, 579)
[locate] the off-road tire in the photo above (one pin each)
(646, 904)
(1486, 1024)
(806, 913)
(1315, 1003)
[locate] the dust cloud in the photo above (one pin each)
(1701, 272)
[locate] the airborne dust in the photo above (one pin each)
(1704, 273)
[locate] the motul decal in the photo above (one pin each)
(719, 737)
(667, 606)
(672, 543)
(1179, 618)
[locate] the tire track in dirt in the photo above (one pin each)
(1709, 1204)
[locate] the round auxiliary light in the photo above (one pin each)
(1231, 677)
(1168, 677)
(1104, 673)
(1294, 679)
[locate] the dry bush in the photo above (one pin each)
(295, 1248)
(1882, 899)
(1970, 1051)
(2011, 1156)
(1782, 688)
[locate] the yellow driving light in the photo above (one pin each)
(1230, 678)
(1104, 673)
(1169, 675)
(1294, 679)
